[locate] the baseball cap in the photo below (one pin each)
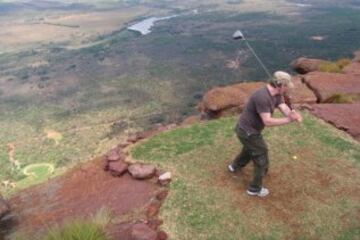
(283, 78)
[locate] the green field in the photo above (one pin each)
(315, 196)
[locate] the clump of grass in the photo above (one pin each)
(343, 62)
(339, 98)
(334, 67)
(102, 217)
(329, 67)
(77, 230)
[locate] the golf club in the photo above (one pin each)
(238, 35)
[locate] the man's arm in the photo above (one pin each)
(287, 112)
(284, 109)
(270, 121)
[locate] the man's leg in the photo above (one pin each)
(259, 152)
(260, 169)
(242, 159)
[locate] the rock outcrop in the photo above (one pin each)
(223, 101)
(310, 89)
(327, 86)
(343, 116)
(230, 100)
(305, 65)
(141, 231)
(142, 171)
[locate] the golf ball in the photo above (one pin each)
(294, 157)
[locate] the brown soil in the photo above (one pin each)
(80, 193)
(288, 202)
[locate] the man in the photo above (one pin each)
(256, 115)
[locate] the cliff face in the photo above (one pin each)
(320, 92)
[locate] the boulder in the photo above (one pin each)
(162, 194)
(220, 98)
(305, 65)
(353, 68)
(153, 208)
(141, 231)
(328, 86)
(230, 98)
(117, 168)
(165, 178)
(356, 56)
(141, 171)
(162, 235)
(301, 94)
(115, 155)
(4, 207)
(343, 116)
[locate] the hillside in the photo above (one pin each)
(314, 195)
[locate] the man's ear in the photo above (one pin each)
(278, 84)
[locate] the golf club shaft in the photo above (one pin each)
(258, 59)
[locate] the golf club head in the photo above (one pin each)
(238, 35)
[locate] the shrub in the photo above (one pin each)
(77, 230)
(339, 98)
(329, 67)
(343, 62)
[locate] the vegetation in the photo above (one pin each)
(307, 194)
(339, 98)
(330, 67)
(334, 67)
(77, 230)
(92, 228)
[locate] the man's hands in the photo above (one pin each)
(295, 116)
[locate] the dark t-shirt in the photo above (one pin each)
(259, 102)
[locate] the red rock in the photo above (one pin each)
(117, 168)
(154, 223)
(141, 231)
(141, 171)
(123, 145)
(352, 68)
(230, 96)
(356, 56)
(191, 120)
(301, 94)
(132, 138)
(343, 116)
(326, 85)
(162, 235)
(4, 207)
(115, 155)
(162, 194)
(230, 100)
(305, 65)
(105, 163)
(153, 208)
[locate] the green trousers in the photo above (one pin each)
(255, 149)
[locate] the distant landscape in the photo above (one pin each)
(74, 80)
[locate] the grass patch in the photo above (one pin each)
(308, 196)
(76, 230)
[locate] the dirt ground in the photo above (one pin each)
(80, 193)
